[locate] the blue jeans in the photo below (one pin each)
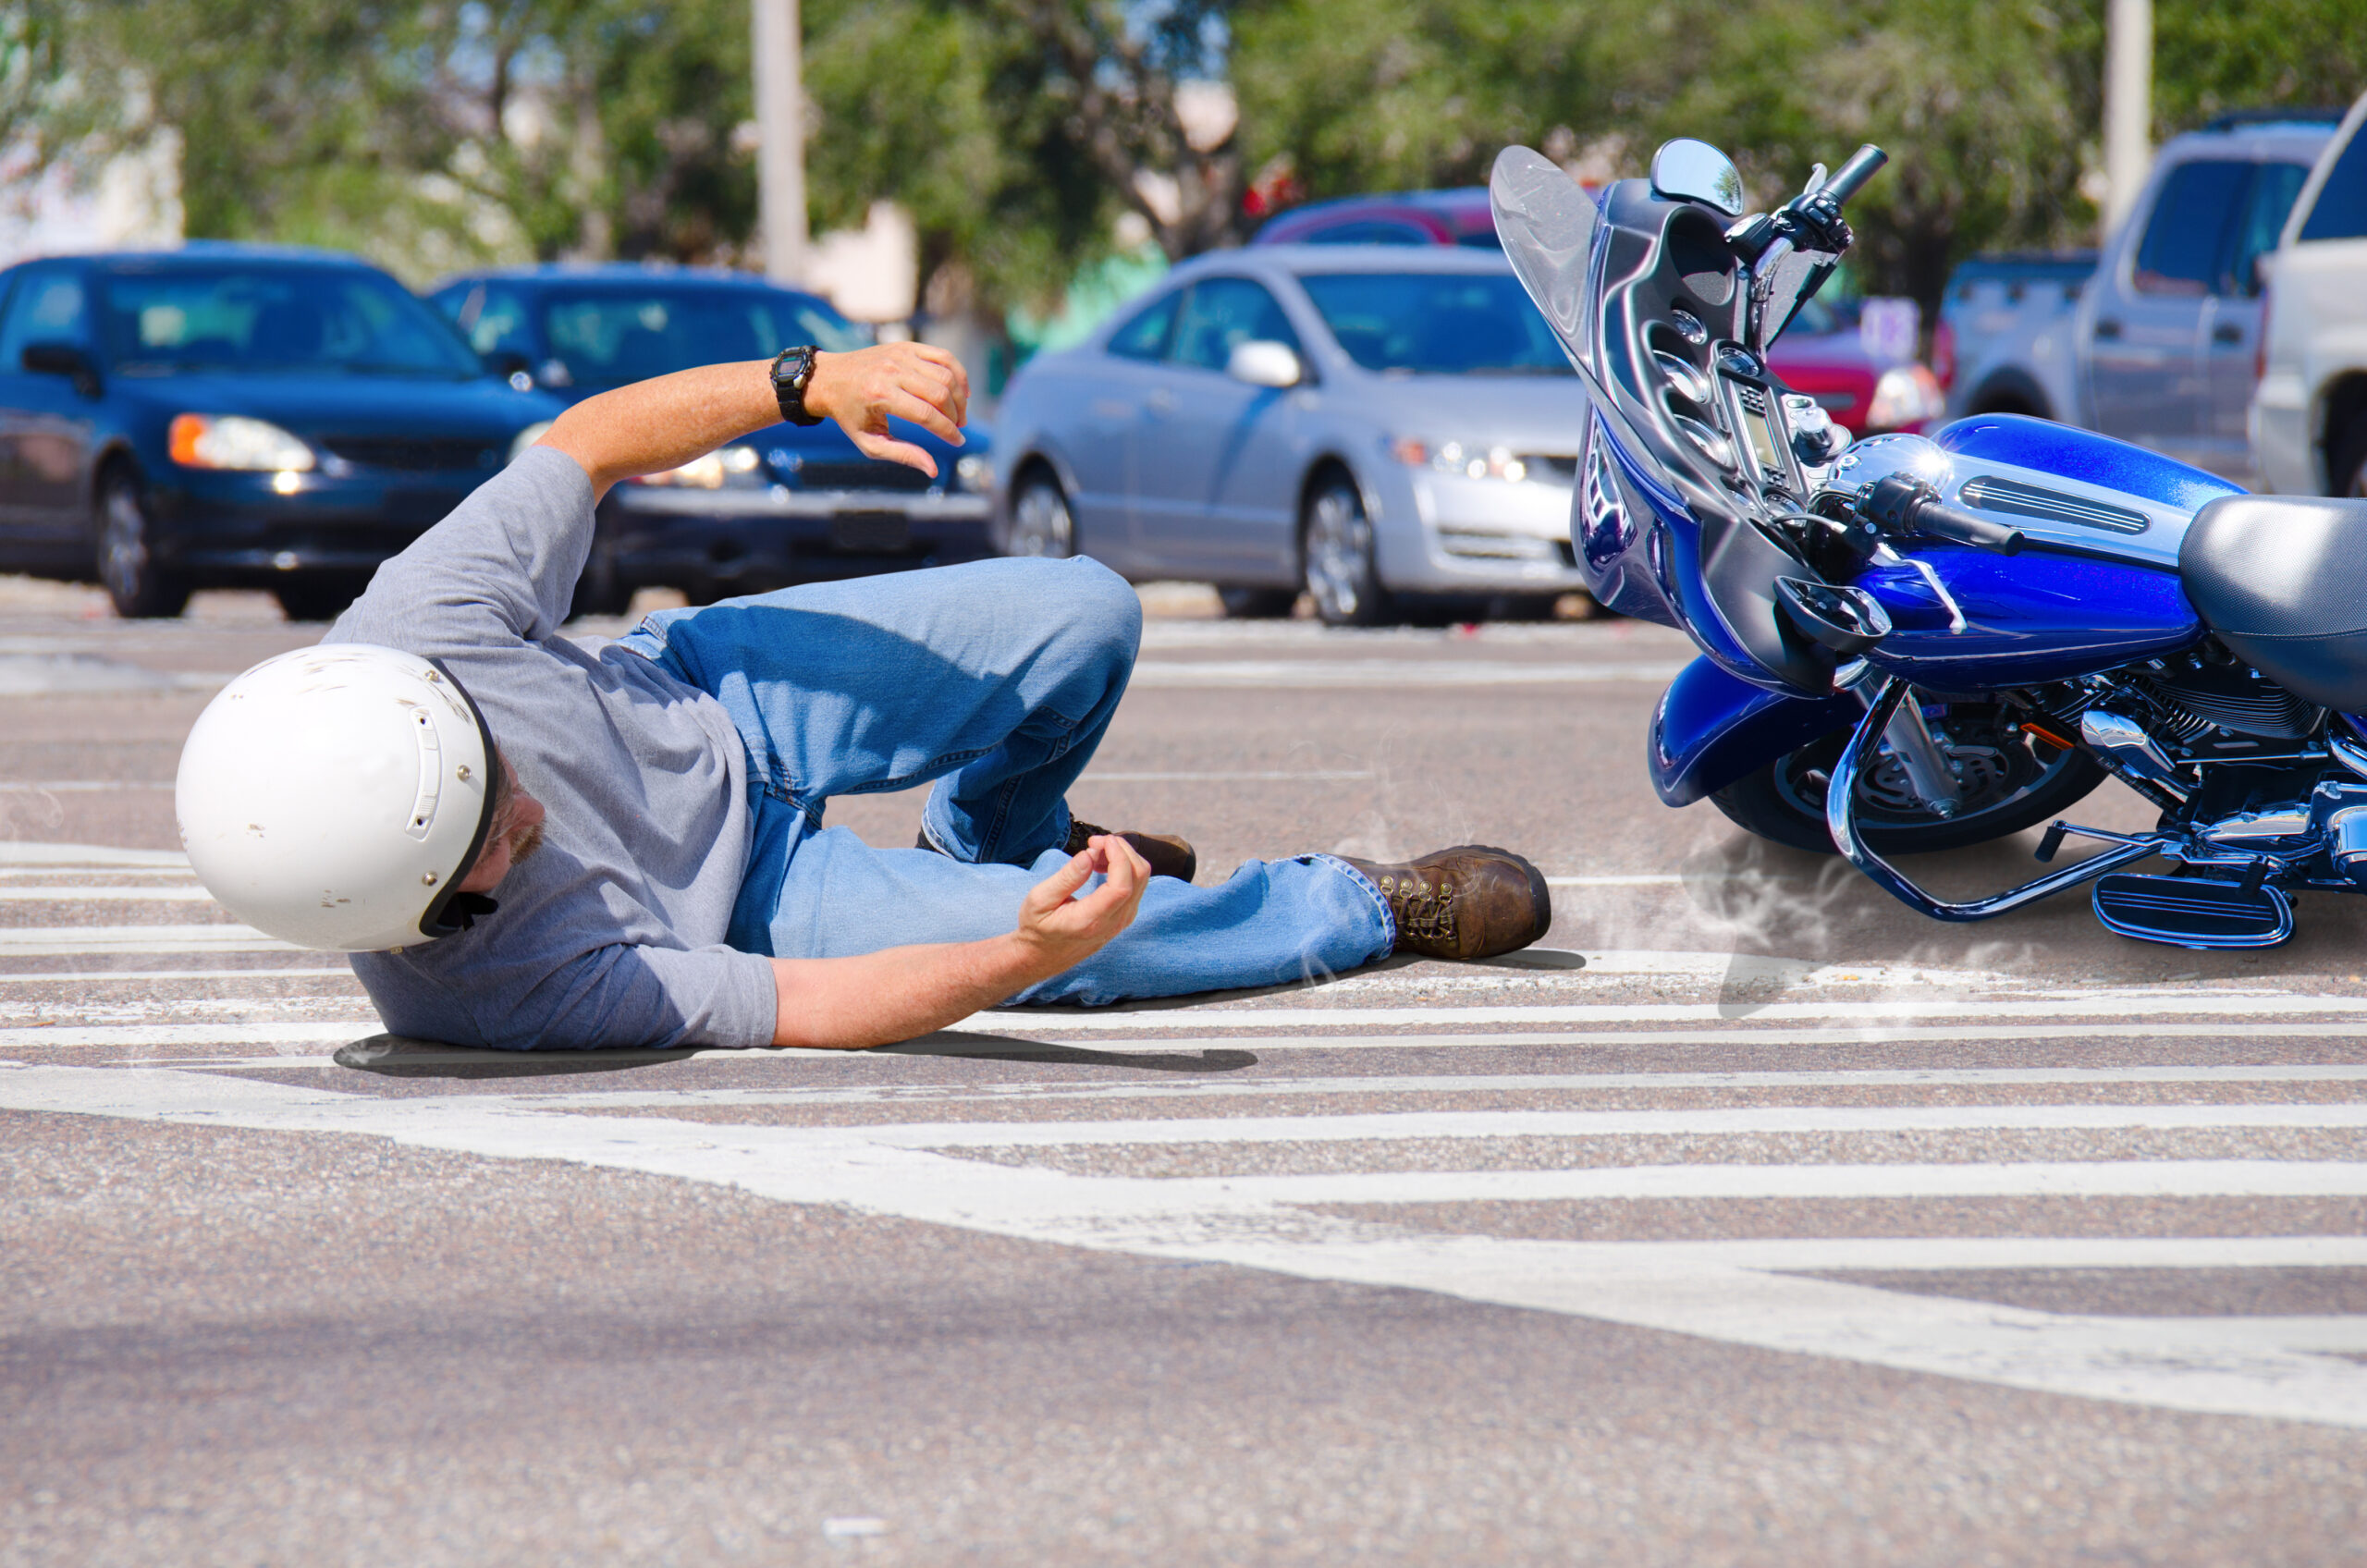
(997, 681)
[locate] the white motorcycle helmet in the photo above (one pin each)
(333, 797)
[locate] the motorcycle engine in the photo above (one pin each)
(2230, 697)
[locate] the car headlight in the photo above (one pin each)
(234, 441)
(1905, 394)
(712, 471)
(975, 472)
(1471, 460)
(526, 438)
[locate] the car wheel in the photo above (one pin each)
(1337, 547)
(1258, 603)
(2350, 460)
(1041, 523)
(601, 589)
(125, 550)
(316, 597)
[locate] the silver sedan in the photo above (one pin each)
(1383, 426)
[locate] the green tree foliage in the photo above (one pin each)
(1016, 130)
(432, 131)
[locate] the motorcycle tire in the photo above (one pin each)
(2016, 783)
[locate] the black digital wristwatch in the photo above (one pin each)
(793, 369)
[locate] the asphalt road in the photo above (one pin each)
(1749, 1219)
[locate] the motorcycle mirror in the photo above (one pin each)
(1687, 170)
(1547, 222)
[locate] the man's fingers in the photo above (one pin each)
(919, 411)
(894, 451)
(1062, 886)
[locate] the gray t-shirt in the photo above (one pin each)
(612, 933)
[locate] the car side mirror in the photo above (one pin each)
(1261, 362)
(63, 358)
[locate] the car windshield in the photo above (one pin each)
(334, 319)
(612, 336)
(1437, 324)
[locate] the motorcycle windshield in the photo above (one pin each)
(1547, 223)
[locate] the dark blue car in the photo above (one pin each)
(783, 506)
(233, 416)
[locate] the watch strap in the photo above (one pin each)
(792, 372)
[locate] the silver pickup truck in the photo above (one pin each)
(2159, 342)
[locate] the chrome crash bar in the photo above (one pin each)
(1841, 820)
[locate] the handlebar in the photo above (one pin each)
(1903, 504)
(1946, 522)
(1851, 177)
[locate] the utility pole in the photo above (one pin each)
(2128, 106)
(779, 47)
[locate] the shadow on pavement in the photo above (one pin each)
(392, 1056)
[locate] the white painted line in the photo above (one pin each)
(83, 1037)
(76, 941)
(33, 853)
(122, 976)
(1735, 1121)
(2063, 1179)
(1314, 777)
(84, 893)
(1734, 1292)
(1047, 1020)
(1174, 674)
(74, 786)
(1070, 1093)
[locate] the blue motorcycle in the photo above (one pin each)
(1913, 643)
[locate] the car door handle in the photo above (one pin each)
(2227, 332)
(2107, 328)
(1160, 402)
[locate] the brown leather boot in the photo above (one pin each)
(1168, 855)
(1467, 902)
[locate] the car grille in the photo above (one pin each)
(1550, 466)
(413, 455)
(863, 475)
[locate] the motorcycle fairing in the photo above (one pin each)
(1711, 729)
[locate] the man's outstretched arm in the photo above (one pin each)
(654, 425)
(901, 993)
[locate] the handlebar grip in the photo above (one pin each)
(1947, 522)
(1852, 175)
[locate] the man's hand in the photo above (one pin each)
(914, 381)
(1064, 930)
(901, 993)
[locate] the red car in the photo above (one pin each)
(1821, 354)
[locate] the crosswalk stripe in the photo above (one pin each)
(1884, 1010)
(1082, 1093)
(2063, 1179)
(24, 851)
(78, 893)
(1727, 1121)
(55, 941)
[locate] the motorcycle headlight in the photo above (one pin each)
(713, 471)
(975, 472)
(1906, 395)
(1471, 460)
(527, 437)
(234, 441)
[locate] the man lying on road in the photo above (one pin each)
(649, 813)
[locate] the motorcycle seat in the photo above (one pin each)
(2283, 581)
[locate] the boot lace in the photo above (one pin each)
(1423, 912)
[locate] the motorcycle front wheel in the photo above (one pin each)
(2010, 782)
